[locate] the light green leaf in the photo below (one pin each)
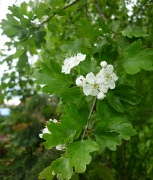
(135, 59)
(23, 60)
(46, 174)
(58, 135)
(56, 3)
(138, 32)
(79, 154)
(135, 31)
(127, 32)
(63, 168)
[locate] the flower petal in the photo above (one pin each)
(109, 68)
(90, 78)
(81, 56)
(111, 84)
(87, 89)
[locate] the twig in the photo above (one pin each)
(47, 20)
(91, 112)
(99, 10)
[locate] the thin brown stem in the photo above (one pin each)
(90, 114)
(99, 10)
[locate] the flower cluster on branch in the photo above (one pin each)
(98, 85)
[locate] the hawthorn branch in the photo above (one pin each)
(99, 10)
(47, 20)
(91, 112)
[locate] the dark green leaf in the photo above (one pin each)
(114, 102)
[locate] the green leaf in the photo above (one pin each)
(75, 118)
(85, 29)
(55, 86)
(114, 101)
(39, 37)
(23, 61)
(50, 75)
(52, 27)
(79, 154)
(58, 135)
(103, 25)
(138, 32)
(11, 20)
(18, 53)
(103, 110)
(46, 174)
(127, 32)
(123, 127)
(88, 65)
(72, 95)
(56, 3)
(63, 168)
(127, 93)
(109, 140)
(109, 133)
(135, 59)
(135, 31)
(8, 29)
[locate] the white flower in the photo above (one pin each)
(91, 87)
(72, 61)
(100, 95)
(109, 76)
(93, 84)
(98, 85)
(80, 81)
(60, 147)
(68, 64)
(54, 120)
(44, 131)
(103, 64)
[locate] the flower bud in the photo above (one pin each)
(80, 81)
(100, 95)
(103, 64)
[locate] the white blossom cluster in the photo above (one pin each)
(46, 131)
(71, 62)
(98, 85)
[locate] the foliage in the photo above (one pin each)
(89, 128)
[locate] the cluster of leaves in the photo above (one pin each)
(57, 29)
